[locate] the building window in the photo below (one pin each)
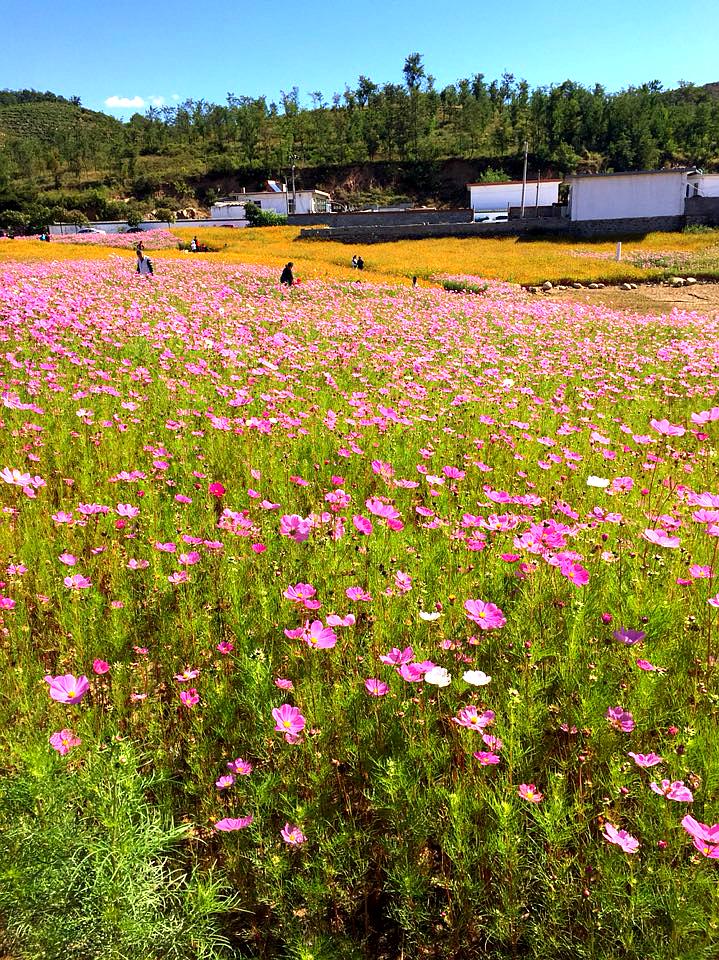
(290, 205)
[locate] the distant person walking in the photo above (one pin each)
(144, 264)
(354, 262)
(193, 245)
(360, 263)
(286, 276)
(414, 281)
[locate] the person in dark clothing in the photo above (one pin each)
(286, 275)
(360, 263)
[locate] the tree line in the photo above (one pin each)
(568, 127)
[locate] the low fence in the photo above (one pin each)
(702, 211)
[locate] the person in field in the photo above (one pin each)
(286, 276)
(144, 264)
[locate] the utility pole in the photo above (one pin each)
(524, 178)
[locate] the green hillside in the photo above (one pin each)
(48, 122)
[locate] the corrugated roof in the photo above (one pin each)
(627, 173)
(508, 183)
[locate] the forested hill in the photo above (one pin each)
(373, 141)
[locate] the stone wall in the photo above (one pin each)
(374, 218)
(360, 235)
(702, 211)
(626, 226)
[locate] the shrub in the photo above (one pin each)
(263, 218)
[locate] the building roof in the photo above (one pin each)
(628, 173)
(509, 183)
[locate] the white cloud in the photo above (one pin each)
(175, 96)
(156, 101)
(124, 103)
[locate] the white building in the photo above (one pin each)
(619, 196)
(493, 197)
(277, 198)
(700, 184)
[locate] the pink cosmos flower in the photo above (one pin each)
(673, 791)
(411, 672)
(303, 593)
(357, 593)
(319, 637)
(179, 577)
(645, 759)
(621, 838)
(471, 718)
(67, 688)
(216, 489)
(127, 510)
(233, 823)
(63, 741)
(706, 838)
(528, 791)
(242, 768)
(700, 573)
(375, 687)
(7, 603)
(292, 835)
(284, 684)
(620, 719)
(295, 527)
(649, 667)
(362, 525)
(225, 781)
(288, 719)
(574, 572)
(661, 539)
(487, 616)
(68, 559)
(186, 675)
(486, 758)
(628, 637)
(100, 666)
(165, 547)
(188, 559)
(396, 657)
(667, 429)
(138, 564)
(225, 647)
(77, 582)
(190, 698)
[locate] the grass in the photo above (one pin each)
(652, 258)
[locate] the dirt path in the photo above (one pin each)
(649, 298)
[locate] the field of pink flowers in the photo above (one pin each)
(159, 239)
(350, 621)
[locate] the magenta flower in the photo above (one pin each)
(295, 527)
(68, 689)
(487, 616)
(186, 675)
(77, 582)
(396, 657)
(319, 637)
(63, 741)
(362, 524)
(628, 637)
(242, 768)
(673, 791)
(471, 718)
(645, 759)
(667, 429)
(357, 593)
(100, 666)
(68, 559)
(574, 572)
(225, 647)
(620, 719)
(303, 593)
(288, 719)
(375, 687)
(486, 758)
(620, 838)
(661, 539)
(292, 835)
(225, 781)
(216, 489)
(233, 823)
(284, 684)
(706, 838)
(411, 672)
(528, 791)
(649, 667)
(190, 698)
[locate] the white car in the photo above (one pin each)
(90, 230)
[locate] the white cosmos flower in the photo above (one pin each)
(438, 676)
(597, 482)
(435, 615)
(476, 678)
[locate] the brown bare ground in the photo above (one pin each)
(648, 298)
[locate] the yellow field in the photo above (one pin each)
(512, 259)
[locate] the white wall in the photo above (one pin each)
(501, 196)
(709, 185)
(116, 226)
(631, 195)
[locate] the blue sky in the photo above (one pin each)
(121, 57)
